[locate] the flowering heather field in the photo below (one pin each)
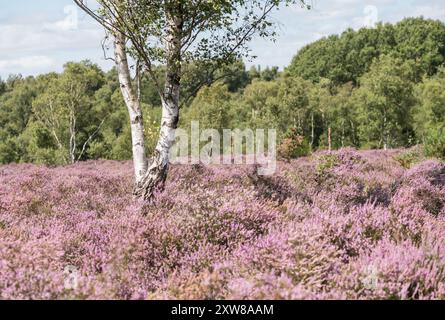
(346, 225)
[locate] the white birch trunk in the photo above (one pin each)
(158, 167)
(312, 131)
(134, 108)
(330, 138)
(72, 144)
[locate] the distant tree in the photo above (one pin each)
(347, 57)
(343, 118)
(211, 107)
(385, 100)
(13, 80)
(421, 40)
(290, 107)
(15, 114)
(429, 114)
(430, 109)
(38, 146)
(234, 76)
(196, 74)
(258, 104)
(434, 142)
(282, 104)
(64, 108)
(269, 74)
(2, 86)
(254, 73)
(320, 106)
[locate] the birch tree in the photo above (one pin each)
(174, 33)
(64, 106)
(386, 99)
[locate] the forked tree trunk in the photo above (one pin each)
(150, 175)
(156, 173)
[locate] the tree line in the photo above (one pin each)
(379, 87)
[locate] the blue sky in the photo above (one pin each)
(38, 36)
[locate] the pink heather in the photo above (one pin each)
(346, 225)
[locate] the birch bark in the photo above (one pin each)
(156, 173)
(133, 106)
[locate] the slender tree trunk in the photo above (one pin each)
(329, 139)
(312, 131)
(72, 144)
(385, 133)
(138, 81)
(156, 173)
(134, 108)
(343, 133)
(353, 133)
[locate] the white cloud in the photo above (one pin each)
(70, 22)
(327, 17)
(34, 44)
(62, 25)
(30, 62)
(433, 12)
(17, 38)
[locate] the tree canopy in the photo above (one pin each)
(395, 99)
(346, 57)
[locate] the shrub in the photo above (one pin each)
(293, 146)
(435, 143)
(410, 157)
(371, 230)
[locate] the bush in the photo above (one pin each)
(410, 157)
(435, 143)
(293, 146)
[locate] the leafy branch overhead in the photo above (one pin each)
(213, 33)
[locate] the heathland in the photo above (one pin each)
(345, 224)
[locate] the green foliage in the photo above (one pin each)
(385, 100)
(369, 88)
(410, 157)
(211, 107)
(347, 57)
(180, 37)
(234, 76)
(429, 114)
(342, 118)
(39, 145)
(2, 86)
(65, 109)
(258, 106)
(294, 146)
(430, 110)
(9, 150)
(268, 74)
(36, 114)
(326, 162)
(435, 143)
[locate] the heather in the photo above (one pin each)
(342, 225)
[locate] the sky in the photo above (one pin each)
(39, 36)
